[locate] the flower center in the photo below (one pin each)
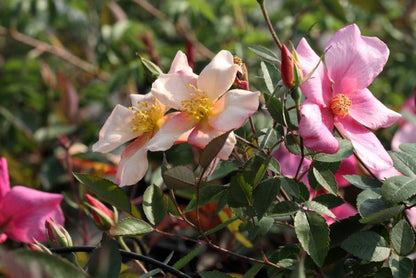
(146, 116)
(198, 106)
(340, 105)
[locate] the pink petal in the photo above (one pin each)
(170, 132)
(236, 105)
(3, 237)
(349, 166)
(316, 88)
(218, 76)
(4, 178)
(133, 162)
(411, 214)
(366, 144)
(228, 147)
(173, 88)
(406, 134)
(353, 61)
(116, 130)
(315, 127)
(341, 212)
(180, 63)
(369, 111)
(29, 209)
(387, 173)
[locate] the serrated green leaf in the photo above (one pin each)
(266, 76)
(207, 194)
(285, 208)
(313, 234)
(325, 178)
(178, 177)
(52, 266)
(151, 67)
(105, 261)
(329, 200)
(382, 215)
(409, 148)
(290, 187)
(345, 151)
(268, 139)
(398, 189)
(265, 53)
(239, 193)
(319, 208)
(405, 163)
(276, 109)
(402, 238)
(155, 205)
(369, 201)
(131, 227)
(224, 168)
(106, 191)
(367, 245)
(401, 267)
(264, 194)
(363, 182)
(186, 259)
(212, 149)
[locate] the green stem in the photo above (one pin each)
(269, 23)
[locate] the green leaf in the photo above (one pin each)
(106, 191)
(178, 177)
(50, 265)
(185, 260)
(343, 229)
(131, 227)
(212, 149)
(345, 151)
(151, 67)
(319, 208)
(285, 208)
(268, 139)
(369, 201)
(398, 189)
(207, 194)
(155, 205)
(265, 53)
(313, 234)
(105, 261)
(276, 109)
(329, 200)
(325, 178)
(408, 148)
(402, 238)
(253, 270)
(401, 267)
(264, 195)
(266, 77)
(290, 187)
(239, 194)
(224, 168)
(405, 163)
(367, 245)
(382, 215)
(363, 182)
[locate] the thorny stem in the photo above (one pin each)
(269, 24)
(172, 195)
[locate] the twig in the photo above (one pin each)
(269, 23)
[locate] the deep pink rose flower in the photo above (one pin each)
(337, 95)
(24, 211)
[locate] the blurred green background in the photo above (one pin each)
(65, 64)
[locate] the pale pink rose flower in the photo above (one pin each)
(289, 163)
(337, 95)
(140, 122)
(407, 130)
(24, 211)
(207, 107)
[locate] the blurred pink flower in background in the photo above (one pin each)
(289, 163)
(337, 94)
(407, 129)
(24, 211)
(208, 108)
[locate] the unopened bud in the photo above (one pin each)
(287, 68)
(37, 246)
(57, 235)
(103, 217)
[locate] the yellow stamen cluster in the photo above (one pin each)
(198, 106)
(340, 105)
(146, 116)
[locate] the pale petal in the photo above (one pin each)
(315, 127)
(387, 173)
(116, 130)
(28, 209)
(365, 143)
(202, 134)
(353, 61)
(172, 88)
(180, 63)
(4, 178)
(316, 88)
(218, 76)
(170, 132)
(411, 214)
(236, 105)
(369, 111)
(228, 147)
(406, 134)
(133, 162)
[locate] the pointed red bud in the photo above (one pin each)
(287, 68)
(103, 217)
(57, 235)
